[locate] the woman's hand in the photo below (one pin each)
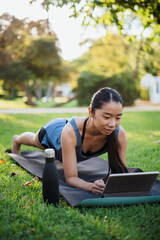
(98, 187)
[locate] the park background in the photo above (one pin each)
(34, 69)
(52, 52)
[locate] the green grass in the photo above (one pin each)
(20, 103)
(17, 103)
(24, 215)
(70, 104)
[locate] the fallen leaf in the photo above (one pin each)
(13, 174)
(27, 183)
(2, 161)
(36, 179)
(31, 202)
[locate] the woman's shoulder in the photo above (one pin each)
(79, 121)
(69, 129)
(121, 129)
(122, 136)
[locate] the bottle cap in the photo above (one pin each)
(49, 153)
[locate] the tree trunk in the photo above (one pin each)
(38, 90)
(49, 92)
(136, 71)
(11, 91)
(25, 88)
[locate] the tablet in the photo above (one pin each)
(130, 182)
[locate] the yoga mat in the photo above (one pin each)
(89, 170)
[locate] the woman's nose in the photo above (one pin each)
(111, 123)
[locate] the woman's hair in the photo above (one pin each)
(102, 96)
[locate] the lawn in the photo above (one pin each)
(24, 215)
(20, 103)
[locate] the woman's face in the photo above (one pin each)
(108, 118)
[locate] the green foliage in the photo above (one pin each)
(144, 93)
(109, 13)
(24, 215)
(121, 63)
(90, 82)
(28, 50)
(12, 38)
(125, 85)
(113, 55)
(42, 58)
(150, 57)
(14, 73)
(113, 61)
(107, 56)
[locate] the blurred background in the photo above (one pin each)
(58, 53)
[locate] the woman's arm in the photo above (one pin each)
(69, 142)
(122, 144)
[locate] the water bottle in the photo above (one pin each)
(50, 183)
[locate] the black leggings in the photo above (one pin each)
(41, 135)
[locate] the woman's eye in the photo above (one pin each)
(106, 117)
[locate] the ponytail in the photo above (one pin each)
(115, 164)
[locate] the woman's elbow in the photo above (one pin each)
(70, 180)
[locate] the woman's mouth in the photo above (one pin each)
(108, 132)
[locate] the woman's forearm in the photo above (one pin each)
(79, 183)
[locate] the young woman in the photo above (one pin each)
(80, 138)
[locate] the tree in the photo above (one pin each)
(110, 62)
(110, 12)
(14, 74)
(90, 82)
(107, 56)
(122, 14)
(31, 47)
(42, 59)
(12, 37)
(150, 58)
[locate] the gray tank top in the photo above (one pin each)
(80, 155)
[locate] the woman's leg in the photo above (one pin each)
(26, 138)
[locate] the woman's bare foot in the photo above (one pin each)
(16, 148)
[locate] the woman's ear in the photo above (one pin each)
(90, 112)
